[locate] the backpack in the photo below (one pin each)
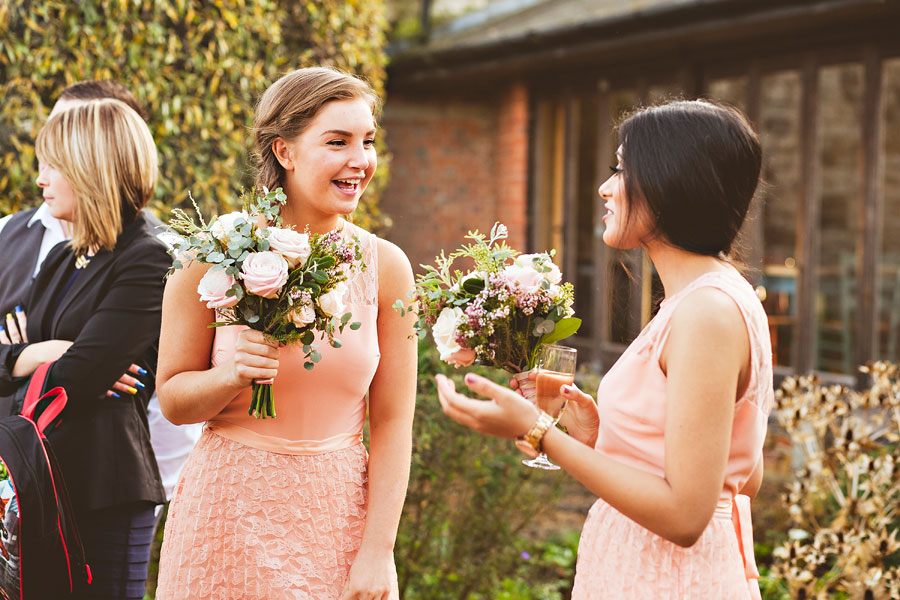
(41, 554)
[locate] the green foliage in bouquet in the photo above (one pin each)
(845, 495)
(317, 276)
(503, 310)
(198, 67)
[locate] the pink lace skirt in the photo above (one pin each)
(251, 524)
(617, 558)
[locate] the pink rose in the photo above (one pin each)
(264, 273)
(303, 314)
(524, 278)
(293, 246)
(464, 357)
(528, 260)
(213, 288)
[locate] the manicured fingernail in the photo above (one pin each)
(9, 316)
(18, 309)
(114, 395)
(142, 371)
(139, 384)
(130, 390)
(470, 378)
(1, 328)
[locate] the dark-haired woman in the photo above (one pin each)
(673, 447)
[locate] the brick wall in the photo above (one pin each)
(457, 164)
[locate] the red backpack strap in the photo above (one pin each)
(35, 390)
(47, 406)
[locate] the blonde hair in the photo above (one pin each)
(106, 153)
(290, 104)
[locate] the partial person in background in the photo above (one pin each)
(26, 238)
(94, 310)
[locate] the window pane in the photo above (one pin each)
(779, 130)
(731, 91)
(889, 269)
(840, 133)
(549, 150)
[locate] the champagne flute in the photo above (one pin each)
(556, 368)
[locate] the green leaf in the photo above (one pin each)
(319, 276)
(473, 286)
(253, 318)
(308, 366)
(355, 325)
(315, 356)
(215, 257)
(307, 337)
(564, 328)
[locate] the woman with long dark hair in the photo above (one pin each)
(673, 446)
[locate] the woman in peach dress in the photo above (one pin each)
(673, 447)
(294, 507)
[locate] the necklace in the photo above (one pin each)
(81, 261)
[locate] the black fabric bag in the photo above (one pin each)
(41, 555)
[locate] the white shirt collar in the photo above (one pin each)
(49, 222)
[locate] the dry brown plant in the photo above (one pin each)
(843, 500)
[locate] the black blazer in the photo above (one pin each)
(112, 314)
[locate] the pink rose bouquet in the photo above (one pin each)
(501, 312)
(286, 284)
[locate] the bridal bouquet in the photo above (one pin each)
(501, 312)
(286, 284)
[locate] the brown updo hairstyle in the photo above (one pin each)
(694, 167)
(290, 104)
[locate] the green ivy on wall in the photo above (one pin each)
(197, 65)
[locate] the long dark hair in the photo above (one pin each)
(693, 166)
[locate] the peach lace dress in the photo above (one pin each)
(275, 508)
(617, 558)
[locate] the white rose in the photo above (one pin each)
(303, 314)
(332, 303)
(222, 228)
(293, 246)
(444, 331)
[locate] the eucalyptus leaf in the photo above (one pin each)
(565, 328)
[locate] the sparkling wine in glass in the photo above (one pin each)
(556, 368)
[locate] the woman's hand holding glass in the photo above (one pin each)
(580, 418)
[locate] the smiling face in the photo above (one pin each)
(328, 166)
(58, 194)
(623, 230)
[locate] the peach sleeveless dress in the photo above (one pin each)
(617, 558)
(275, 508)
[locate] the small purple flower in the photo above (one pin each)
(525, 555)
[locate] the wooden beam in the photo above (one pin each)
(755, 237)
(871, 209)
(808, 216)
(602, 293)
(569, 245)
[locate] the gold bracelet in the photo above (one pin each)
(535, 435)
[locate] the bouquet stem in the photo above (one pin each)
(262, 399)
(527, 387)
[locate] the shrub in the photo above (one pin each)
(198, 66)
(845, 495)
(469, 500)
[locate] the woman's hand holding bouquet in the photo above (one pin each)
(285, 284)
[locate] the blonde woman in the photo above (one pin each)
(294, 507)
(94, 309)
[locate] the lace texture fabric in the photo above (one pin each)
(363, 285)
(614, 553)
(256, 525)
